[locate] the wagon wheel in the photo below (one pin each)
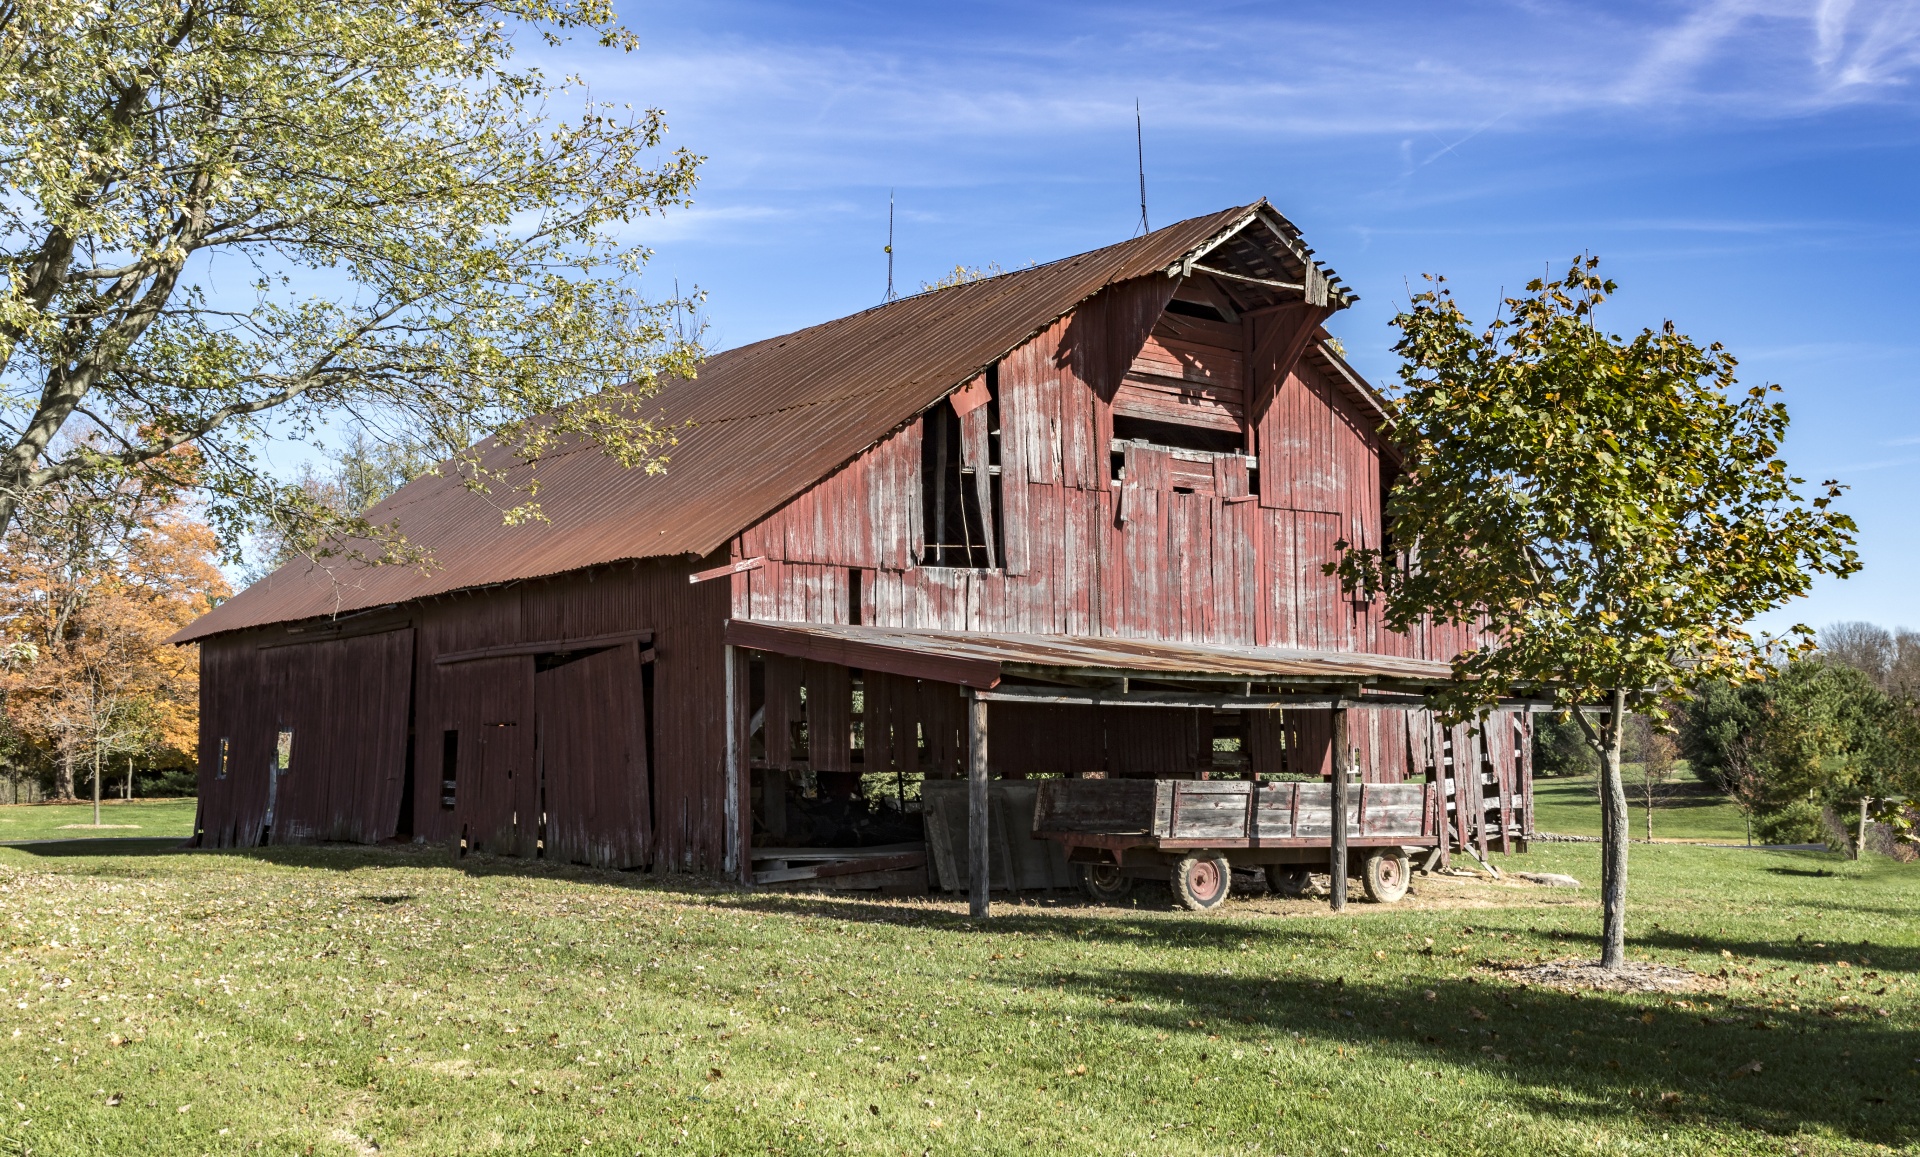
(1288, 879)
(1384, 874)
(1106, 883)
(1202, 880)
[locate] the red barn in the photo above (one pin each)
(1094, 495)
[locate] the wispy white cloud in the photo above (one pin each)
(1391, 71)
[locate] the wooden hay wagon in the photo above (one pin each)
(1192, 833)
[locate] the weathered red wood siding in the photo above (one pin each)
(350, 702)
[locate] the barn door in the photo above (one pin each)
(592, 756)
(506, 790)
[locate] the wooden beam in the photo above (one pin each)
(977, 846)
(732, 568)
(1268, 282)
(918, 663)
(544, 647)
(1337, 846)
(826, 870)
(305, 635)
(1268, 380)
(1005, 694)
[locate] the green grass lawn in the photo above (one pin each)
(323, 1001)
(1688, 809)
(143, 818)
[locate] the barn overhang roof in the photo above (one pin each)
(1074, 669)
(763, 422)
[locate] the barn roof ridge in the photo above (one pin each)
(759, 424)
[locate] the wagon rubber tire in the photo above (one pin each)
(1202, 880)
(1293, 880)
(1385, 874)
(1106, 883)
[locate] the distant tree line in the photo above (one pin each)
(1799, 749)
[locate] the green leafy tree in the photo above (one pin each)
(224, 219)
(1559, 747)
(1610, 511)
(1814, 737)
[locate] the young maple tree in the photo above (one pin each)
(225, 220)
(1612, 511)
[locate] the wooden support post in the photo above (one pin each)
(1337, 852)
(977, 846)
(733, 806)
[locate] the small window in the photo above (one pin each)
(220, 761)
(853, 597)
(449, 768)
(283, 750)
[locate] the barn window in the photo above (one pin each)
(960, 477)
(449, 768)
(220, 767)
(283, 750)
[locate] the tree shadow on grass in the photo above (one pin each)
(99, 846)
(1588, 1056)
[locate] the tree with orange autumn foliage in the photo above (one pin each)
(94, 576)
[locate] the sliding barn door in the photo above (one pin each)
(592, 720)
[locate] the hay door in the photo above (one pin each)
(592, 723)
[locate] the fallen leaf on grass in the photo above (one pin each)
(1746, 1070)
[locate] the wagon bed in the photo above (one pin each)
(1094, 815)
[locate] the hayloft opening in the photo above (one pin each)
(960, 477)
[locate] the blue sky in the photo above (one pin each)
(1747, 168)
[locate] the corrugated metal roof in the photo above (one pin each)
(982, 659)
(767, 421)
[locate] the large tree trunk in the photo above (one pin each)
(63, 781)
(1614, 833)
